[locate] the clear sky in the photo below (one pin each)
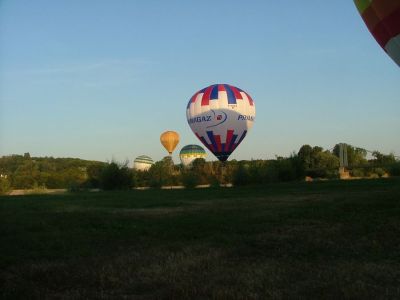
(102, 79)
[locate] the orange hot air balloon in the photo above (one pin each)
(169, 139)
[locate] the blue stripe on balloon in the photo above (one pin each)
(242, 137)
(214, 92)
(203, 140)
(234, 137)
(211, 137)
(230, 94)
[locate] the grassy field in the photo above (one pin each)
(321, 240)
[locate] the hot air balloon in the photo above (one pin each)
(142, 163)
(190, 152)
(220, 115)
(169, 139)
(382, 18)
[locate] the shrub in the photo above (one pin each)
(380, 172)
(5, 185)
(357, 173)
(189, 179)
(159, 174)
(214, 182)
(394, 169)
(116, 177)
(241, 176)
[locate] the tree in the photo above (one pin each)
(382, 159)
(162, 172)
(241, 175)
(5, 185)
(256, 171)
(355, 156)
(116, 177)
(199, 167)
(94, 172)
(26, 175)
(327, 164)
(305, 156)
(189, 178)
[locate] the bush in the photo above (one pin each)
(5, 185)
(159, 175)
(271, 172)
(116, 177)
(241, 176)
(380, 172)
(164, 173)
(394, 169)
(189, 179)
(214, 182)
(283, 169)
(357, 173)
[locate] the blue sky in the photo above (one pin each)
(102, 79)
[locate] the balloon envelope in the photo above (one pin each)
(142, 163)
(220, 115)
(169, 139)
(190, 152)
(382, 18)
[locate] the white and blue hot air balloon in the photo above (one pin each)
(143, 163)
(221, 115)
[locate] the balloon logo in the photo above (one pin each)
(382, 18)
(169, 139)
(220, 115)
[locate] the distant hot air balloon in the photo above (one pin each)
(382, 18)
(142, 163)
(190, 152)
(169, 139)
(220, 115)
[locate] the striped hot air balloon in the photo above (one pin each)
(190, 152)
(382, 18)
(142, 163)
(220, 115)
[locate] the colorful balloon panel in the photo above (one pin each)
(220, 115)
(191, 152)
(143, 163)
(169, 139)
(382, 18)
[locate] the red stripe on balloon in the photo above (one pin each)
(218, 142)
(378, 10)
(387, 29)
(250, 99)
(229, 135)
(206, 96)
(221, 88)
(194, 98)
(370, 18)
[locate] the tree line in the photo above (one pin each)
(26, 172)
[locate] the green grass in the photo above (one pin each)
(336, 239)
